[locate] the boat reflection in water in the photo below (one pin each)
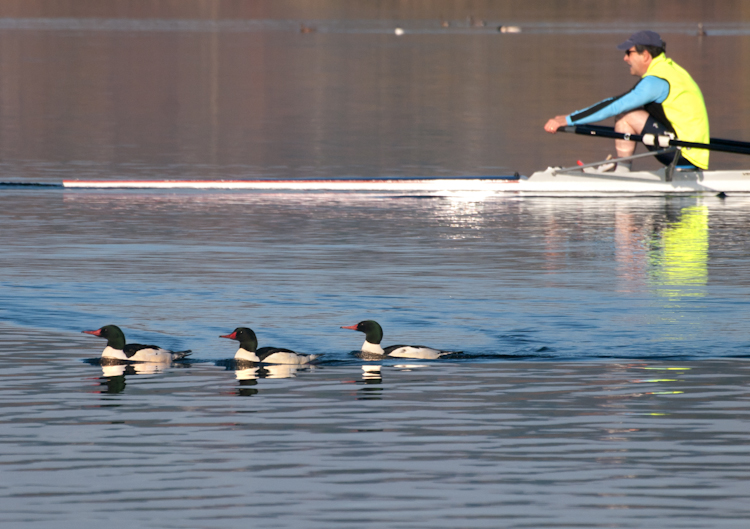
(679, 255)
(665, 253)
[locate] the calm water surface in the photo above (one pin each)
(605, 368)
(603, 384)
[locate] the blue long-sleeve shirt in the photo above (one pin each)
(649, 89)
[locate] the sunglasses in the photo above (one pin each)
(627, 53)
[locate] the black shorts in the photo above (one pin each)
(654, 127)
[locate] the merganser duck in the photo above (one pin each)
(134, 352)
(374, 334)
(249, 352)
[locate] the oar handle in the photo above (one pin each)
(716, 144)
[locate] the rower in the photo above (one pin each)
(665, 100)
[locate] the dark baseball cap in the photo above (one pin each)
(644, 38)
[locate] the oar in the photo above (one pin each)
(712, 141)
(716, 144)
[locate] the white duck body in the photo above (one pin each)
(372, 348)
(284, 356)
(416, 351)
(404, 351)
(374, 334)
(116, 354)
(243, 355)
(155, 355)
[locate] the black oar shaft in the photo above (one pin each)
(716, 144)
(712, 141)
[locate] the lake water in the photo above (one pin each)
(604, 376)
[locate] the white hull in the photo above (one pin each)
(321, 184)
(541, 182)
(637, 182)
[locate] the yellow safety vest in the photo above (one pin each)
(683, 108)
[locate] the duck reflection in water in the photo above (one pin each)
(248, 374)
(372, 378)
(114, 371)
(113, 378)
(248, 379)
(372, 374)
(267, 371)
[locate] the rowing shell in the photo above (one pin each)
(550, 181)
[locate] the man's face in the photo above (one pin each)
(638, 62)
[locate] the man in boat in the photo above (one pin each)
(665, 100)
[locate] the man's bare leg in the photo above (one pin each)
(629, 123)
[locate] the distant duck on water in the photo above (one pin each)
(117, 350)
(474, 22)
(249, 352)
(372, 349)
